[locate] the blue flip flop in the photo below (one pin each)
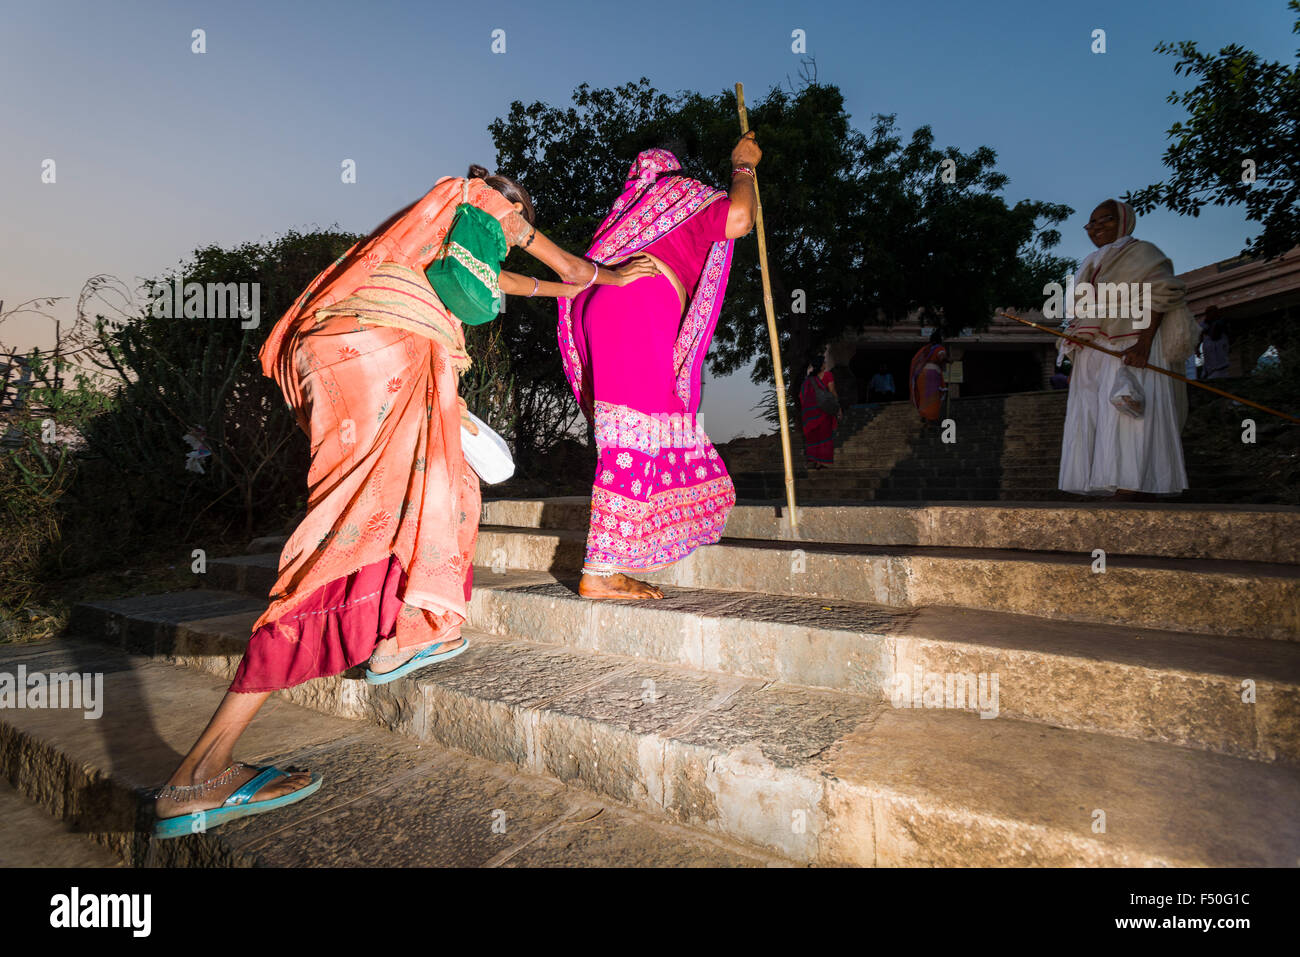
(239, 804)
(422, 659)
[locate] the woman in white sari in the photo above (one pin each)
(1123, 421)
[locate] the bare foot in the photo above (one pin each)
(165, 807)
(616, 586)
(387, 650)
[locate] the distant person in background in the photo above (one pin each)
(1270, 360)
(818, 403)
(881, 387)
(1215, 349)
(926, 386)
(846, 385)
(1061, 377)
(1194, 365)
(1123, 422)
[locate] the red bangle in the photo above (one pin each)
(742, 169)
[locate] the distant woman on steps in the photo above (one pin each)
(368, 358)
(926, 385)
(817, 418)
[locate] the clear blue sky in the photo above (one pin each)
(159, 150)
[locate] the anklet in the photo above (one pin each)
(375, 657)
(182, 792)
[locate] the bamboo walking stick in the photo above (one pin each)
(1172, 375)
(771, 329)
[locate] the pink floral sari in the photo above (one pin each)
(635, 363)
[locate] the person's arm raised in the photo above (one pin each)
(744, 198)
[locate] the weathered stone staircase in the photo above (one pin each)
(1003, 448)
(1147, 714)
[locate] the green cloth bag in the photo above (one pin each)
(467, 270)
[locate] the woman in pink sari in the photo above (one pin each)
(818, 424)
(634, 357)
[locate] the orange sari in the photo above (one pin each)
(368, 358)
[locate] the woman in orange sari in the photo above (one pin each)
(925, 379)
(368, 358)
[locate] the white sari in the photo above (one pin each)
(1104, 449)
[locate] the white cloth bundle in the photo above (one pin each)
(486, 452)
(1126, 394)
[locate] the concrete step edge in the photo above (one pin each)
(1232, 601)
(1173, 688)
(853, 809)
(1257, 600)
(54, 767)
(1190, 531)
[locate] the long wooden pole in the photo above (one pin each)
(771, 329)
(1173, 375)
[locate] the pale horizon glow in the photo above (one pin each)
(160, 150)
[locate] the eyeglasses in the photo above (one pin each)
(1094, 223)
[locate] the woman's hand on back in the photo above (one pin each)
(638, 267)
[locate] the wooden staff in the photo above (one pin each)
(771, 328)
(1172, 375)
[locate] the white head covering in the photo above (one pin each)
(1091, 265)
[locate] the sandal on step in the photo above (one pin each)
(239, 804)
(421, 659)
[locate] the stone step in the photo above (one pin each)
(1246, 599)
(30, 837)
(995, 466)
(937, 479)
(912, 471)
(825, 495)
(1075, 675)
(808, 492)
(966, 432)
(815, 776)
(1143, 683)
(942, 494)
(387, 800)
(959, 494)
(1244, 533)
(926, 483)
(955, 465)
